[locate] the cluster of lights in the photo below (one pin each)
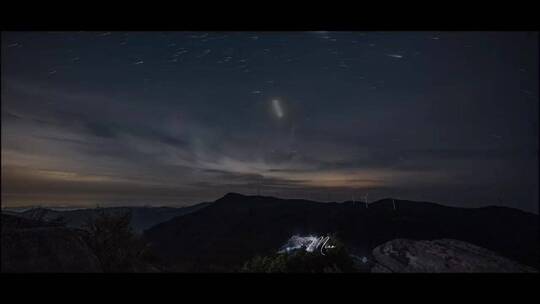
(308, 243)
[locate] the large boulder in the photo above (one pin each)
(28, 246)
(443, 255)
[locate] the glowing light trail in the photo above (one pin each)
(276, 105)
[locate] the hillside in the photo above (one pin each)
(33, 246)
(235, 228)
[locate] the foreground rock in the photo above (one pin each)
(30, 246)
(444, 255)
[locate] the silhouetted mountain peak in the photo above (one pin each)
(233, 195)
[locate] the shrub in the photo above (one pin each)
(333, 260)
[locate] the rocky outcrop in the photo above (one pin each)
(444, 255)
(29, 246)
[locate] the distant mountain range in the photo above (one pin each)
(224, 234)
(142, 217)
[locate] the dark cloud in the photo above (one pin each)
(100, 129)
(471, 154)
(10, 116)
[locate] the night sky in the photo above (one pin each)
(176, 118)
